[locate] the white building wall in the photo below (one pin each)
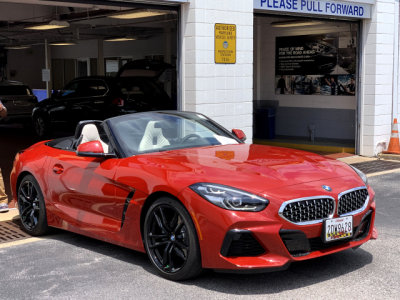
(223, 92)
(377, 77)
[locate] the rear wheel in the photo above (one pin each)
(31, 206)
(171, 241)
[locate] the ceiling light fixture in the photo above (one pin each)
(54, 24)
(121, 39)
(295, 23)
(17, 47)
(135, 14)
(62, 43)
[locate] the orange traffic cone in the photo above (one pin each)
(394, 145)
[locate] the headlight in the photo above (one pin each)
(361, 174)
(229, 198)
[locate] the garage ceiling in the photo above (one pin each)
(86, 21)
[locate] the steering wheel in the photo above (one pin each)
(191, 136)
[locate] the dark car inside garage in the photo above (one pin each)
(48, 48)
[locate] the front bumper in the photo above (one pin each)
(233, 240)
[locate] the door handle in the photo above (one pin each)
(58, 169)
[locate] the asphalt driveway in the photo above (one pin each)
(69, 266)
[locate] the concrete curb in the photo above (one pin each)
(356, 159)
(389, 156)
(11, 214)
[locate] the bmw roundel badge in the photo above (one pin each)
(327, 188)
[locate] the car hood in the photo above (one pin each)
(44, 102)
(250, 167)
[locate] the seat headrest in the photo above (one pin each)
(153, 137)
(81, 124)
(90, 133)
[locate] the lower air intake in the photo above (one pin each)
(241, 243)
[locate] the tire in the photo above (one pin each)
(170, 240)
(41, 126)
(31, 207)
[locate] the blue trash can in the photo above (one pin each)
(264, 123)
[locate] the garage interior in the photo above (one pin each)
(293, 104)
(82, 39)
(73, 39)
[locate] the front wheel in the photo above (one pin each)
(40, 125)
(171, 241)
(31, 207)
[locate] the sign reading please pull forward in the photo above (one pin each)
(320, 7)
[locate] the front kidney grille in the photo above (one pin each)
(308, 210)
(352, 201)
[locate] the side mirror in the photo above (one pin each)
(239, 134)
(93, 149)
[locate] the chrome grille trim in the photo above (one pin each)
(284, 204)
(366, 201)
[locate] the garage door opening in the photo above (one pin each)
(305, 83)
(44, 47)
(84, 40)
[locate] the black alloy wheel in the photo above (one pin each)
(171, 241)
(31, 206)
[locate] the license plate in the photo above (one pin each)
(339, 228)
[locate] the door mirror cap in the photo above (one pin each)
(239, 134)
(93, 149)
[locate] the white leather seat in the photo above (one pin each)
(153, 138)
(90, 134)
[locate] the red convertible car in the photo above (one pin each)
(192, 195)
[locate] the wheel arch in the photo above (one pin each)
(19, 179)
(21, 176)
(40, 112)
(149, 201)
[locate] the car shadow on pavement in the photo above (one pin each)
(103, 248)
(299, 274)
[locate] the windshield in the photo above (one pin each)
(160, 131)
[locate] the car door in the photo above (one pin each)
(91, 100)
(59, 109)
(83, 191)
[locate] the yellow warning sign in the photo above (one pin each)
(225, 43)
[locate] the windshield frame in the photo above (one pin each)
(203, 120)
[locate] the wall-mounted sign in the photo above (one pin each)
(225, 43)
(112, 66)
(347, 9)
(46, 75)
(318, 64)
